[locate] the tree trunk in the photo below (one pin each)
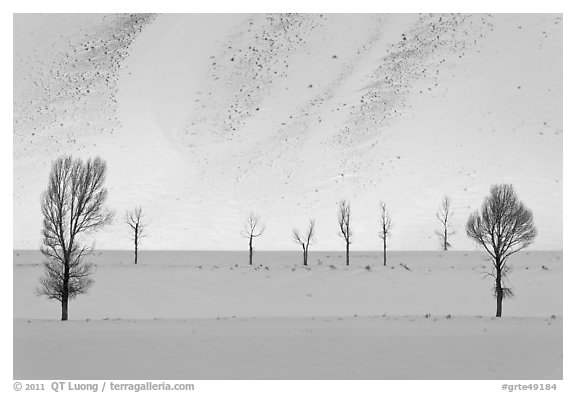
(347, 253)
(445, 238)
(65, 283)
(250, 250)
(305, 255)
(136, 245)
(499, 290)
(65, 309)
(384, 250)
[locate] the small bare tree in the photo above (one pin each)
(385, 225)
(252, 228)
(444, 215)
(305, 240)
(72, 206)
(134, 219)
(344, 226)
(503, 226)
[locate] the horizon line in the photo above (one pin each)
(291, 250)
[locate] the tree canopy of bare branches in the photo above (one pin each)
(345, 231)
(134, 219)
(305, 240)
(444, 215)
(253, 227)
(385, 226)
(72, 207)
(503, 226)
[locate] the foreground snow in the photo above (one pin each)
(291, 348)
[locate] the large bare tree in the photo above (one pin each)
(305, 239)
(444, 215)
(503, 226)
(345, 231)
(253, 227)
(385, 225)
(72, 207)
(134, 219)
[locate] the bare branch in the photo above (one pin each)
(135, 220)
(385, 222)
(344, 220)
(253, 227)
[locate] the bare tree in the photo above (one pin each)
(252, 228)
(134, 219)
(444, 215)
(72, 206)
(344, 225)
(385, 224)
(503, 226)
(305, 240)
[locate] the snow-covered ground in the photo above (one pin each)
(204, 284)
(209, 315)
(291, 348)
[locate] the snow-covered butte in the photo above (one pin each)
(202, 118)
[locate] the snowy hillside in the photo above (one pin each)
(202, 118)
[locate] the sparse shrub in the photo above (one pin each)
(404, 266)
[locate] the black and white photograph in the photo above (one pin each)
(299, 196)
